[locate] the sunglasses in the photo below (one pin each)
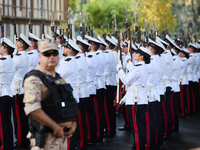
(49, 53)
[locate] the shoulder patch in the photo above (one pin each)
(183, 60)
(77, 57)
(138, 65)
(165, 53)
(17, 54)
(90, 56)
(2, 58)
(106, 51)
(98, 53)
(68, 59)
(30, 53)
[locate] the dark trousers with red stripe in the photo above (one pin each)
(72, 142)
(159, 122)
(195, 88)
(192, 98)
(184, 101)
(6, 131)
(138, 126)
(20, 121)
(168, 110)
(91, 120)
(175, 104)
(152, 121)
(125, 116)
(82, 128)
(109, 109)
(100, 114)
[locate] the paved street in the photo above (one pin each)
(187, 137)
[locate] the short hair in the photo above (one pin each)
(74, 52)
(96, 46)
(9, 50)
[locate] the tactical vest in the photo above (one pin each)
(59, 105)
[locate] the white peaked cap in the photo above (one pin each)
(156, 43)
(146, 52)
(114, 39)
(186, 50)
(110, 40)
(162, 41)
(172, 42)
(80, 39)
(161, 44)
(72, 44)
(172, 50)
(133, 46)
(48, 36)
(93, 40)
(102, 41)
(24, 39)
(66, 39)
(6, 41)
(33, 37)
(197, 45)
(191, 44)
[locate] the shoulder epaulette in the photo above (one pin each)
(68, 59)
(17, 54)
(98, 53)
(138, 65)
(106, 51)
(30, 53)
(165, 53)
(90, 56)
(2, 58)
(77, 57)
(183, 60)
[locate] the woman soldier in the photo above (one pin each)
(184, 84)
(136, 97)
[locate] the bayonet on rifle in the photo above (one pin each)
(14, 24)
(82, 30)
(30, 24)
(1, 24)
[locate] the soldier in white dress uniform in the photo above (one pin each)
(33, 52)
(7, 71)
(22, 64)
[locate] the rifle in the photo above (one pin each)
(119, 82)
(30, 25)
(108, 29)
(61, 33)
(137, 30)
(82, 31)
(89, 25)
(53, 27)
(113, 32)
(104, 34)
(1, 25)
(42, 24)
(86, 28)
(14, 24)
(155, 32)
(145, 33)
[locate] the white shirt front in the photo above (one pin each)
(183, 76)
(34, 59)
(100, 84)
(22, 64)
(68, 70)
(92, 62)
(196, 68)
(7, 71)
(82, 76)
(153, 78)
(136, 78)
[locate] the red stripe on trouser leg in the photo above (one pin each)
(172, 112)
(127, 118)
(117, 109)
(188, 100)
(156, 135)
(97, 118)
(182, 105)
(193, 100)
(135, 128)
(80, 130)
(68, 143)
(1, 133)
(18, 123)
(165, 117)
(88, 126)
(147, 129)
(107, 117)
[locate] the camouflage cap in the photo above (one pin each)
(47, 44)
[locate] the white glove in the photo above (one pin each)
(119, 65)
(123, 100)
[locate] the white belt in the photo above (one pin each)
(96, 78)
(148, 90)
(17, 86)
(90, 83)
(135, 92)
(106, 77)
(3, 85)
(181, 76)
(163, 82)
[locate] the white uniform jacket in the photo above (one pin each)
(190, 68)
(183, 76)
(34, 59)
(136, 82)
(196, 68)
